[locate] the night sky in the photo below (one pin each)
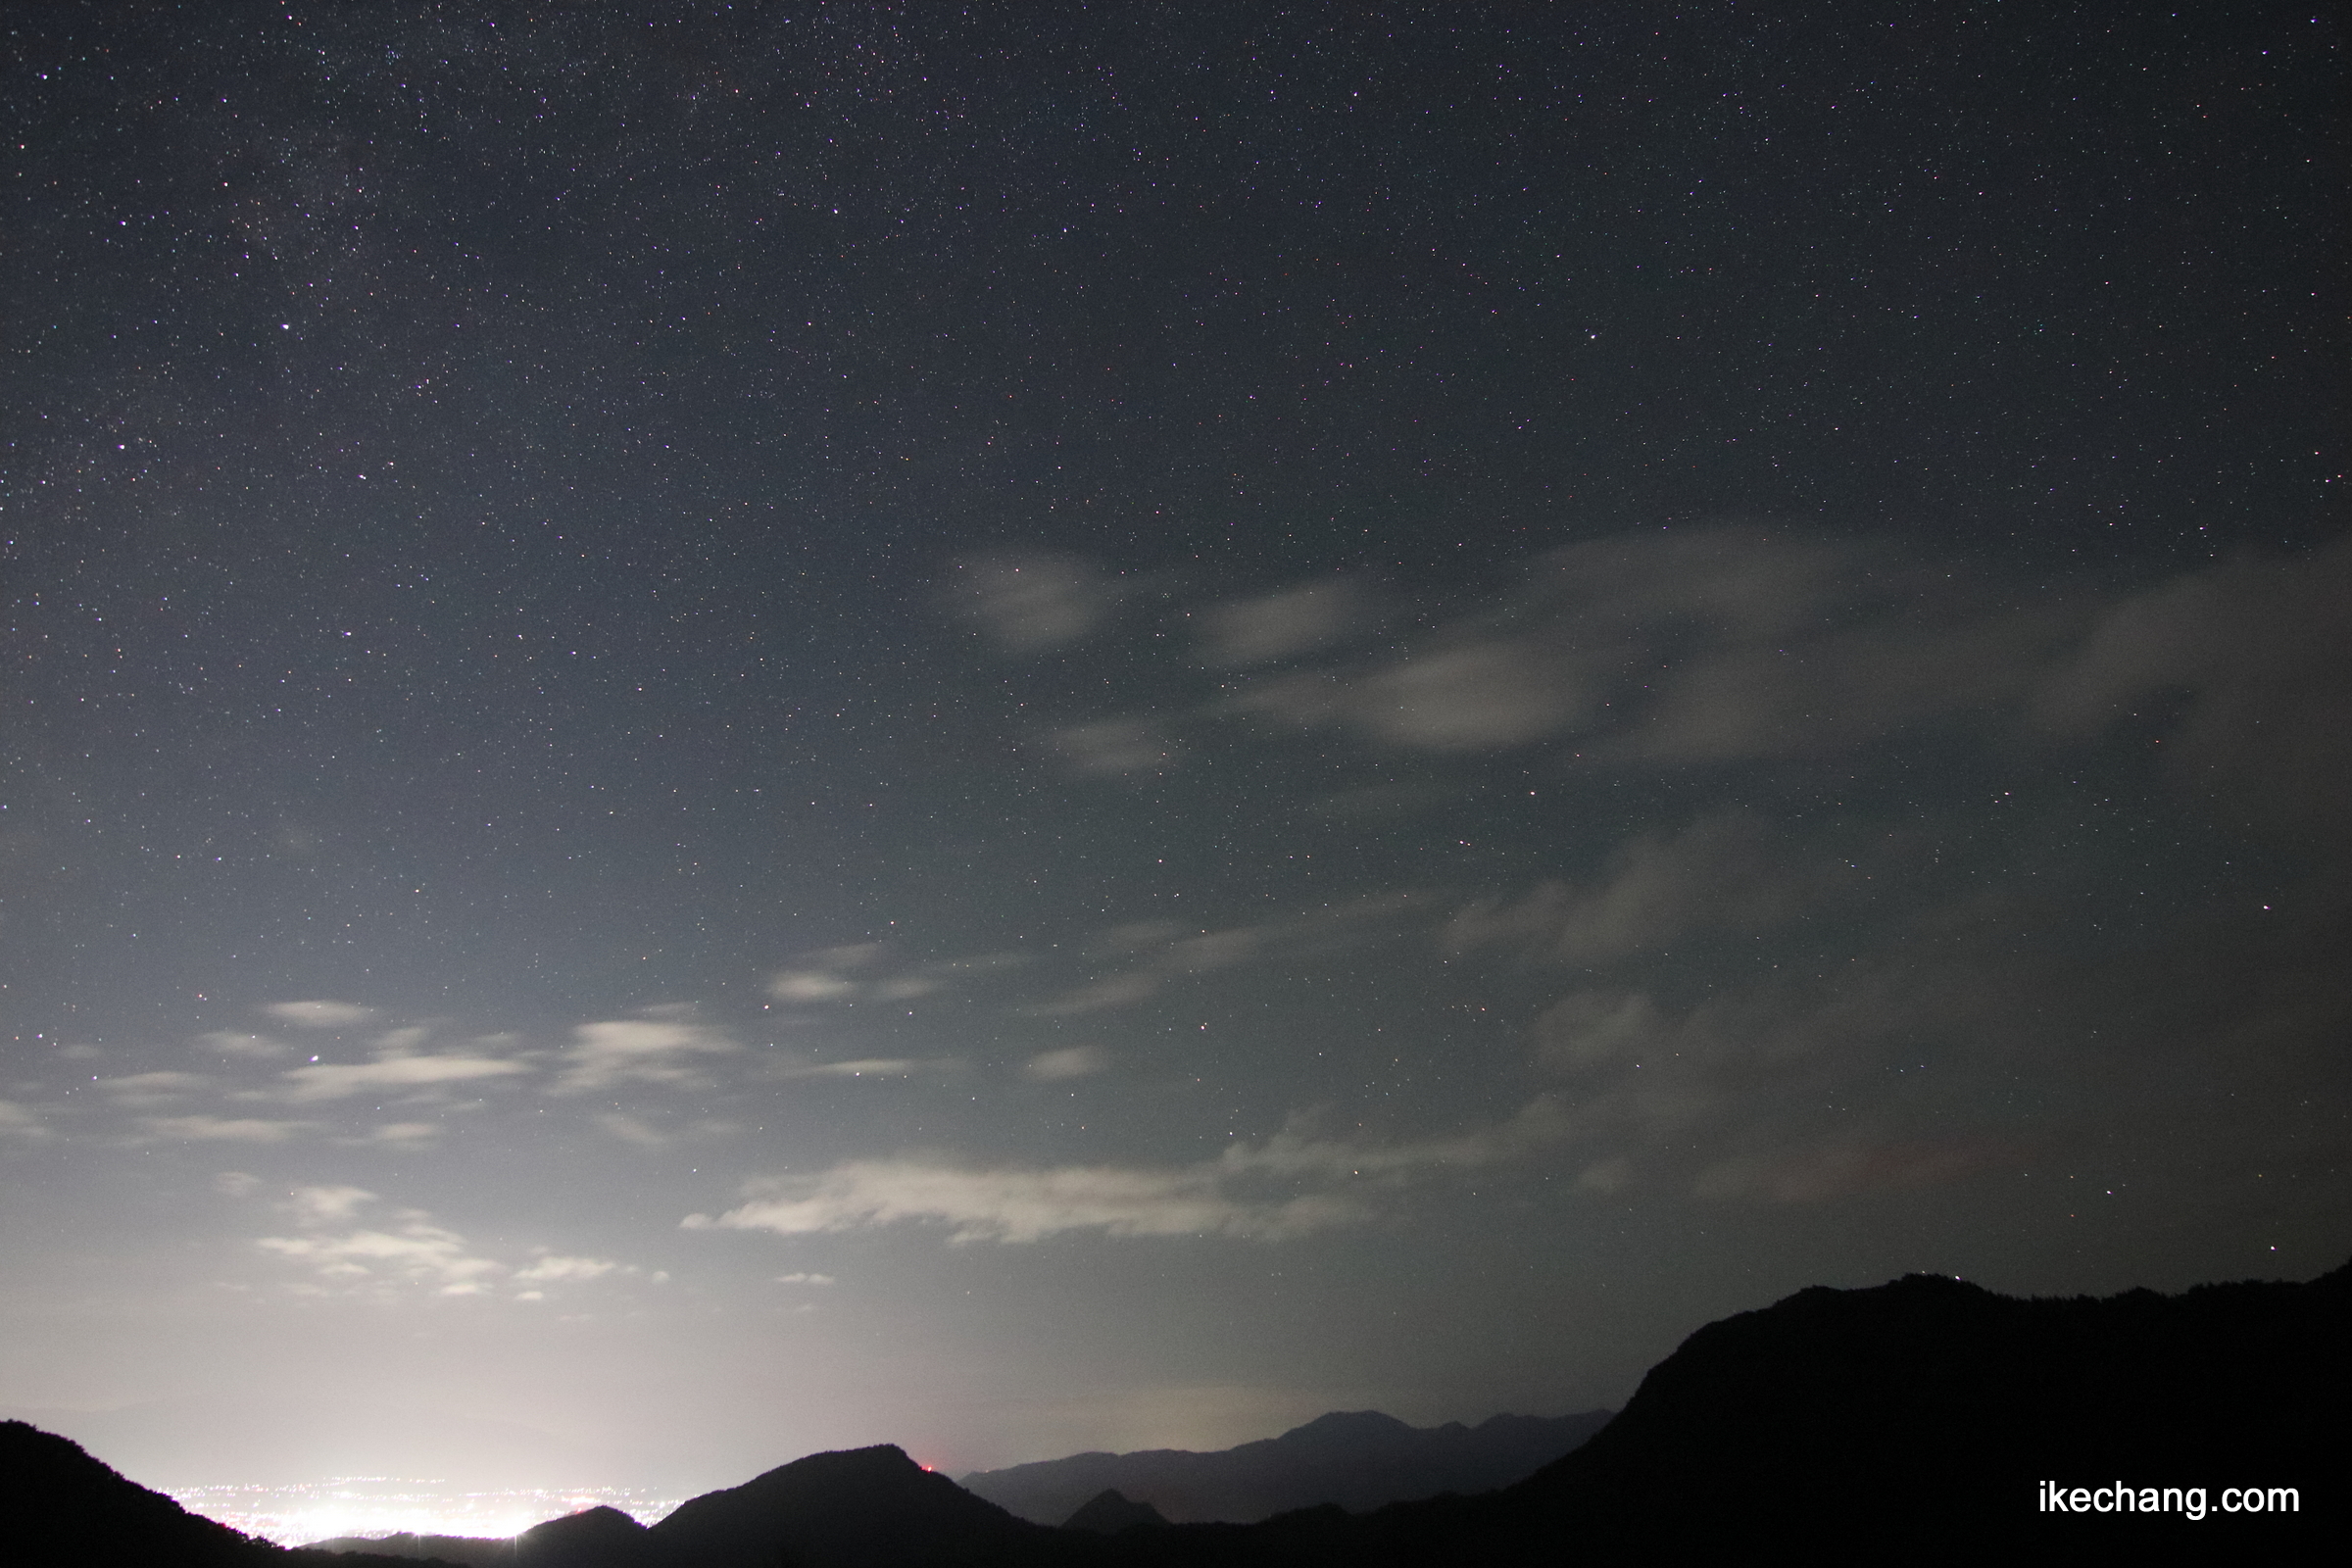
(732, 731)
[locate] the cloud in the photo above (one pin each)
(1279, 625)
(863, 1068)
(236, 1184)
(1719, 645)
(1847, 1166)
(629, 1130)
(1172, 953)
(643, 1134)
(1074, 1062)
(415, 1250)
(225, 1129)
(810, 985)
(410, 1249)
(1113, 990)
(1820, 1087)
(804, 1278)
(1725, 873)
(326, 1205)
(1034, 602)
(404, 1134)
(229, 1043)
(1474, 695)
(1647, 1073)
(1701, 645)
(649, 1051)
(552, 1269)
(1592, 1027)
(1223, 1196)
(2262, 651)
(830, 976)
(1018, 1206)
(1116, 746)
(17, 1121)
(153, 1088)
(1605, 1176)
(390, 1072)
(319, 1014)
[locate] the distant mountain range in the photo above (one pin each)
(1358, 1460)
(1922, 1421)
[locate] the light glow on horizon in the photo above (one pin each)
(375, 1506)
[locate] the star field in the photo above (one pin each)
(737, 729)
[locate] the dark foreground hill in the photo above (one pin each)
(61, 1509)
(1920, 1421)
(1357, 1459)
(595, 1538)
(1927, 1413)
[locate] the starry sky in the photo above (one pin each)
(737, 729)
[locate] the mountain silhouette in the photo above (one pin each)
(594, 1538)
(863, 1508)
(1920, 1421)
(458, 1551)
(1358, 1460)
(1108, 1512)
(1927, 1412)
(62, 1506)
(61, 1509)
(1914, 1421)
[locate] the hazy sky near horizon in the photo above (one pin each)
(742, 729)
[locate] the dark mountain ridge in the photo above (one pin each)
(61, 1509)
(1358, 1460)
(1919, 1420)
(1923, 1420)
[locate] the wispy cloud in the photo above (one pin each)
(2263, 649)
(225, 1129)
(141, 1089)
(1804, 1089)
(1703, 645)
(1035, 601)
(870, 972)
(1223, 1196)
(412, 1249)
(551, 1267)
(1018, 1206)
(1846, 1165)
(645, 1051)
(327, 1205)
(1073, 1061)
(1727, 871)
(319, 1014)
(391, 1073)
(810, 985)
(1117, 746)
(630, 1130)
(234, 1044)
(18, 1121)
(407, 1247)
(1170, 952)
(403, 1134)
(862, 1067)
(1475, 694)
(1280, 625)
